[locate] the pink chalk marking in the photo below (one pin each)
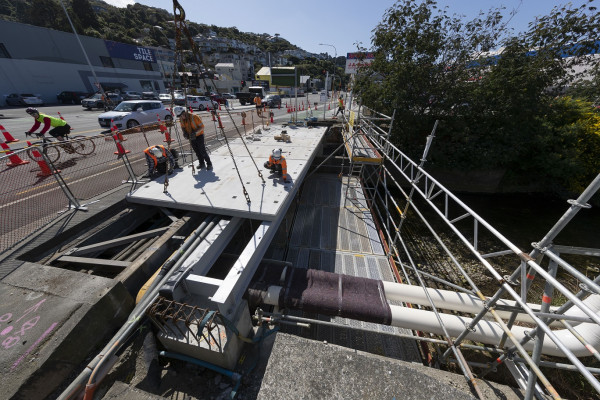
(6, 330)
(31, 309)
(34, 345)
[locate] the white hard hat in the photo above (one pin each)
(157, 152)
(277, 154)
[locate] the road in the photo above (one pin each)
(28, 201)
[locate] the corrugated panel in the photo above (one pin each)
(315, 237)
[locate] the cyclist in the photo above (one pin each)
(59, 130)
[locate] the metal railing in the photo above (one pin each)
(410, 205)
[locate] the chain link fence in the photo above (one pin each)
(54, 178)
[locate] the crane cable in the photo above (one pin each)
(181, 19)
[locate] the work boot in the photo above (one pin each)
(201, 166)
(209, 167)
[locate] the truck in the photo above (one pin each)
(248, 97)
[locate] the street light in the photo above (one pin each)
(334, 63)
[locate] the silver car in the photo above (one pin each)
(135, 112)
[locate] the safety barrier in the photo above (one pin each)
(37, 188)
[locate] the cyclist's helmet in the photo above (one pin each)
(32, 110)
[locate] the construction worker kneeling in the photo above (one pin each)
(160, 160)
(277, 164)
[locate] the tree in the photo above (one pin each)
(83, 11)
(493, 103)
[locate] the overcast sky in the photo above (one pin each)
(338, 23)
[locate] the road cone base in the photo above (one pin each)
(16, 164)
(120, 154)
(48, 173)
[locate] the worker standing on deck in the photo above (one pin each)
(159, 159)
(277, 164)
(340, 107)
(258, 102)
(193, 129)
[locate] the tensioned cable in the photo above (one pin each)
(182, 25)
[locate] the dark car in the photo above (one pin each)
(217, 98)
(272, 100)
(71, 97)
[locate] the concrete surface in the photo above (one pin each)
(220, 192)
(122, 391)
(300, 368)
(50, 320)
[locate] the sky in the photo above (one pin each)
(338, 24)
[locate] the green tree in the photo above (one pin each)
(83, 11)
(493, 104)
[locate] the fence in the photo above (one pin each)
(33, 194)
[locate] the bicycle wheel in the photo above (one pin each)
(83, 146)
(51, 152)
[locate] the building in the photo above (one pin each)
(46, 62)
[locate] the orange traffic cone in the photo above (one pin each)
(61, 117)
(44, 168)
(213, 115)
(120, 150)
(14, 158)
(219, 106)
(243, 118)
(220, 123)
(329, 106)
(279, 108)
(272, 117)
(7, 136)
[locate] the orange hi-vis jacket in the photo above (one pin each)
(192, 124)
(257, 100)
(341, 103)
(281, 161)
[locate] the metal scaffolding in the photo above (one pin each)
(402, 194)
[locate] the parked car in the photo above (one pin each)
(71, 97)
(131, 113)
(228, 96)
(96, 101)
(272, 100)
(179, 98)
(130, 95)
(23, 99)
(165, 97)
(150, 96)
(201, 103)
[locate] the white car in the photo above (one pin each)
(165, 97)
(201, 103)
(135, 112)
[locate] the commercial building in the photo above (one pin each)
(46, 62)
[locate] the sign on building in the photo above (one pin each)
(129, 52)
(357, 60)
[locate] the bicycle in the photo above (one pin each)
(78, 144)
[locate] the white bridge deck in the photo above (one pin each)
(220, 191)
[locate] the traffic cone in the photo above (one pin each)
(243, 118)
(213, 115)
(120, 150)
(44, 168)
(14, 158)
(7, 136)
(220, 123)
(164, 130)
(329, 106)
(279, 108)
(219, 106)
(272, 117)
(61, 117)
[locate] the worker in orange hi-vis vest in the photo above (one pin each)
(161, 160)
(258, 102)
(277, 164)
